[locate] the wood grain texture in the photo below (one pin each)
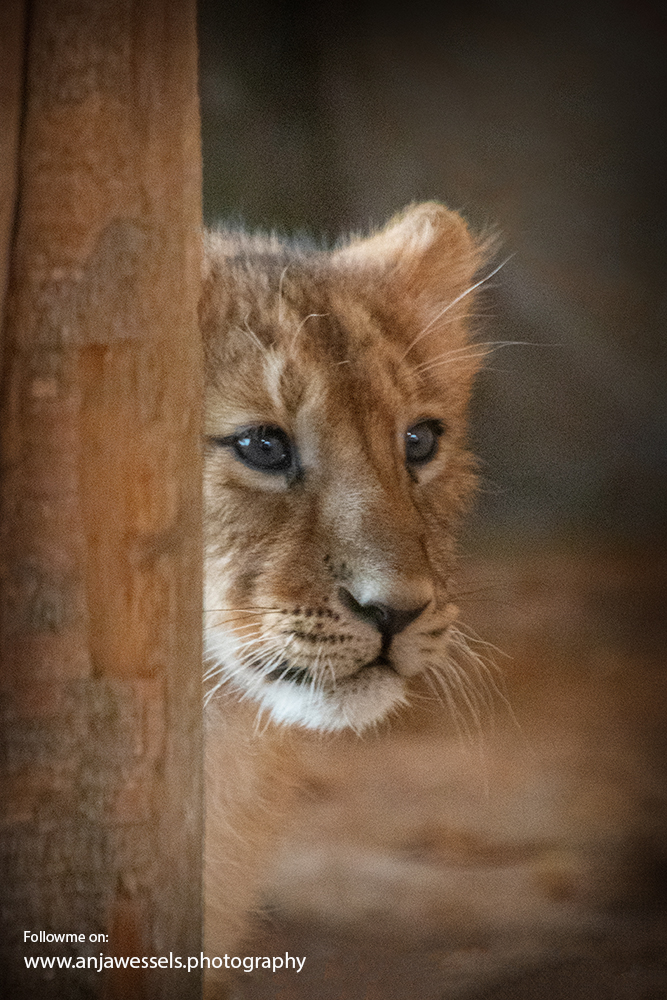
(101, 509)
(12, 48)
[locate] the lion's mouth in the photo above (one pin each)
(302, 675)
(380, 661)
(317, 699)
(284, 672)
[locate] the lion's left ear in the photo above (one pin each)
(419, 263)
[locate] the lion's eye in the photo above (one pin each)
(421, 441)
(267, 449)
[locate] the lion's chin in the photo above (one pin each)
(356, 702)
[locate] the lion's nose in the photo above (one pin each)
(389, 621)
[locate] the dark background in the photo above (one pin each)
(548, 121)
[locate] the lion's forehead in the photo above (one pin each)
(302, 388)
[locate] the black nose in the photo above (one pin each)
(388, 621)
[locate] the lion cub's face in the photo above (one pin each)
(335, 464)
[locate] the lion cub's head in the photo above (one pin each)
(336, 467)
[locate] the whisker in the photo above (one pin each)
(467, 691)
(248, 611)
(486, 347)
(259, 732)
(245, 329)
(489, 674)
(451, 305)
(423, 369)
(280, 293)
(436, 676)
(480, 642)
(302, 324)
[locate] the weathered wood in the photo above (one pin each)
(12, 47)
(101, 514)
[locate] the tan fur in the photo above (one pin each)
(344, 351)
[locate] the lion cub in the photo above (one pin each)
(336, 472)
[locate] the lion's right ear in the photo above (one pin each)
(423, 260)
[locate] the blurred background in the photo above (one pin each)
(542, 836)
(548, 121)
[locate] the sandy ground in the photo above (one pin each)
(521, 855)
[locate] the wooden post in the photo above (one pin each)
(12, 48)
(101, 512)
